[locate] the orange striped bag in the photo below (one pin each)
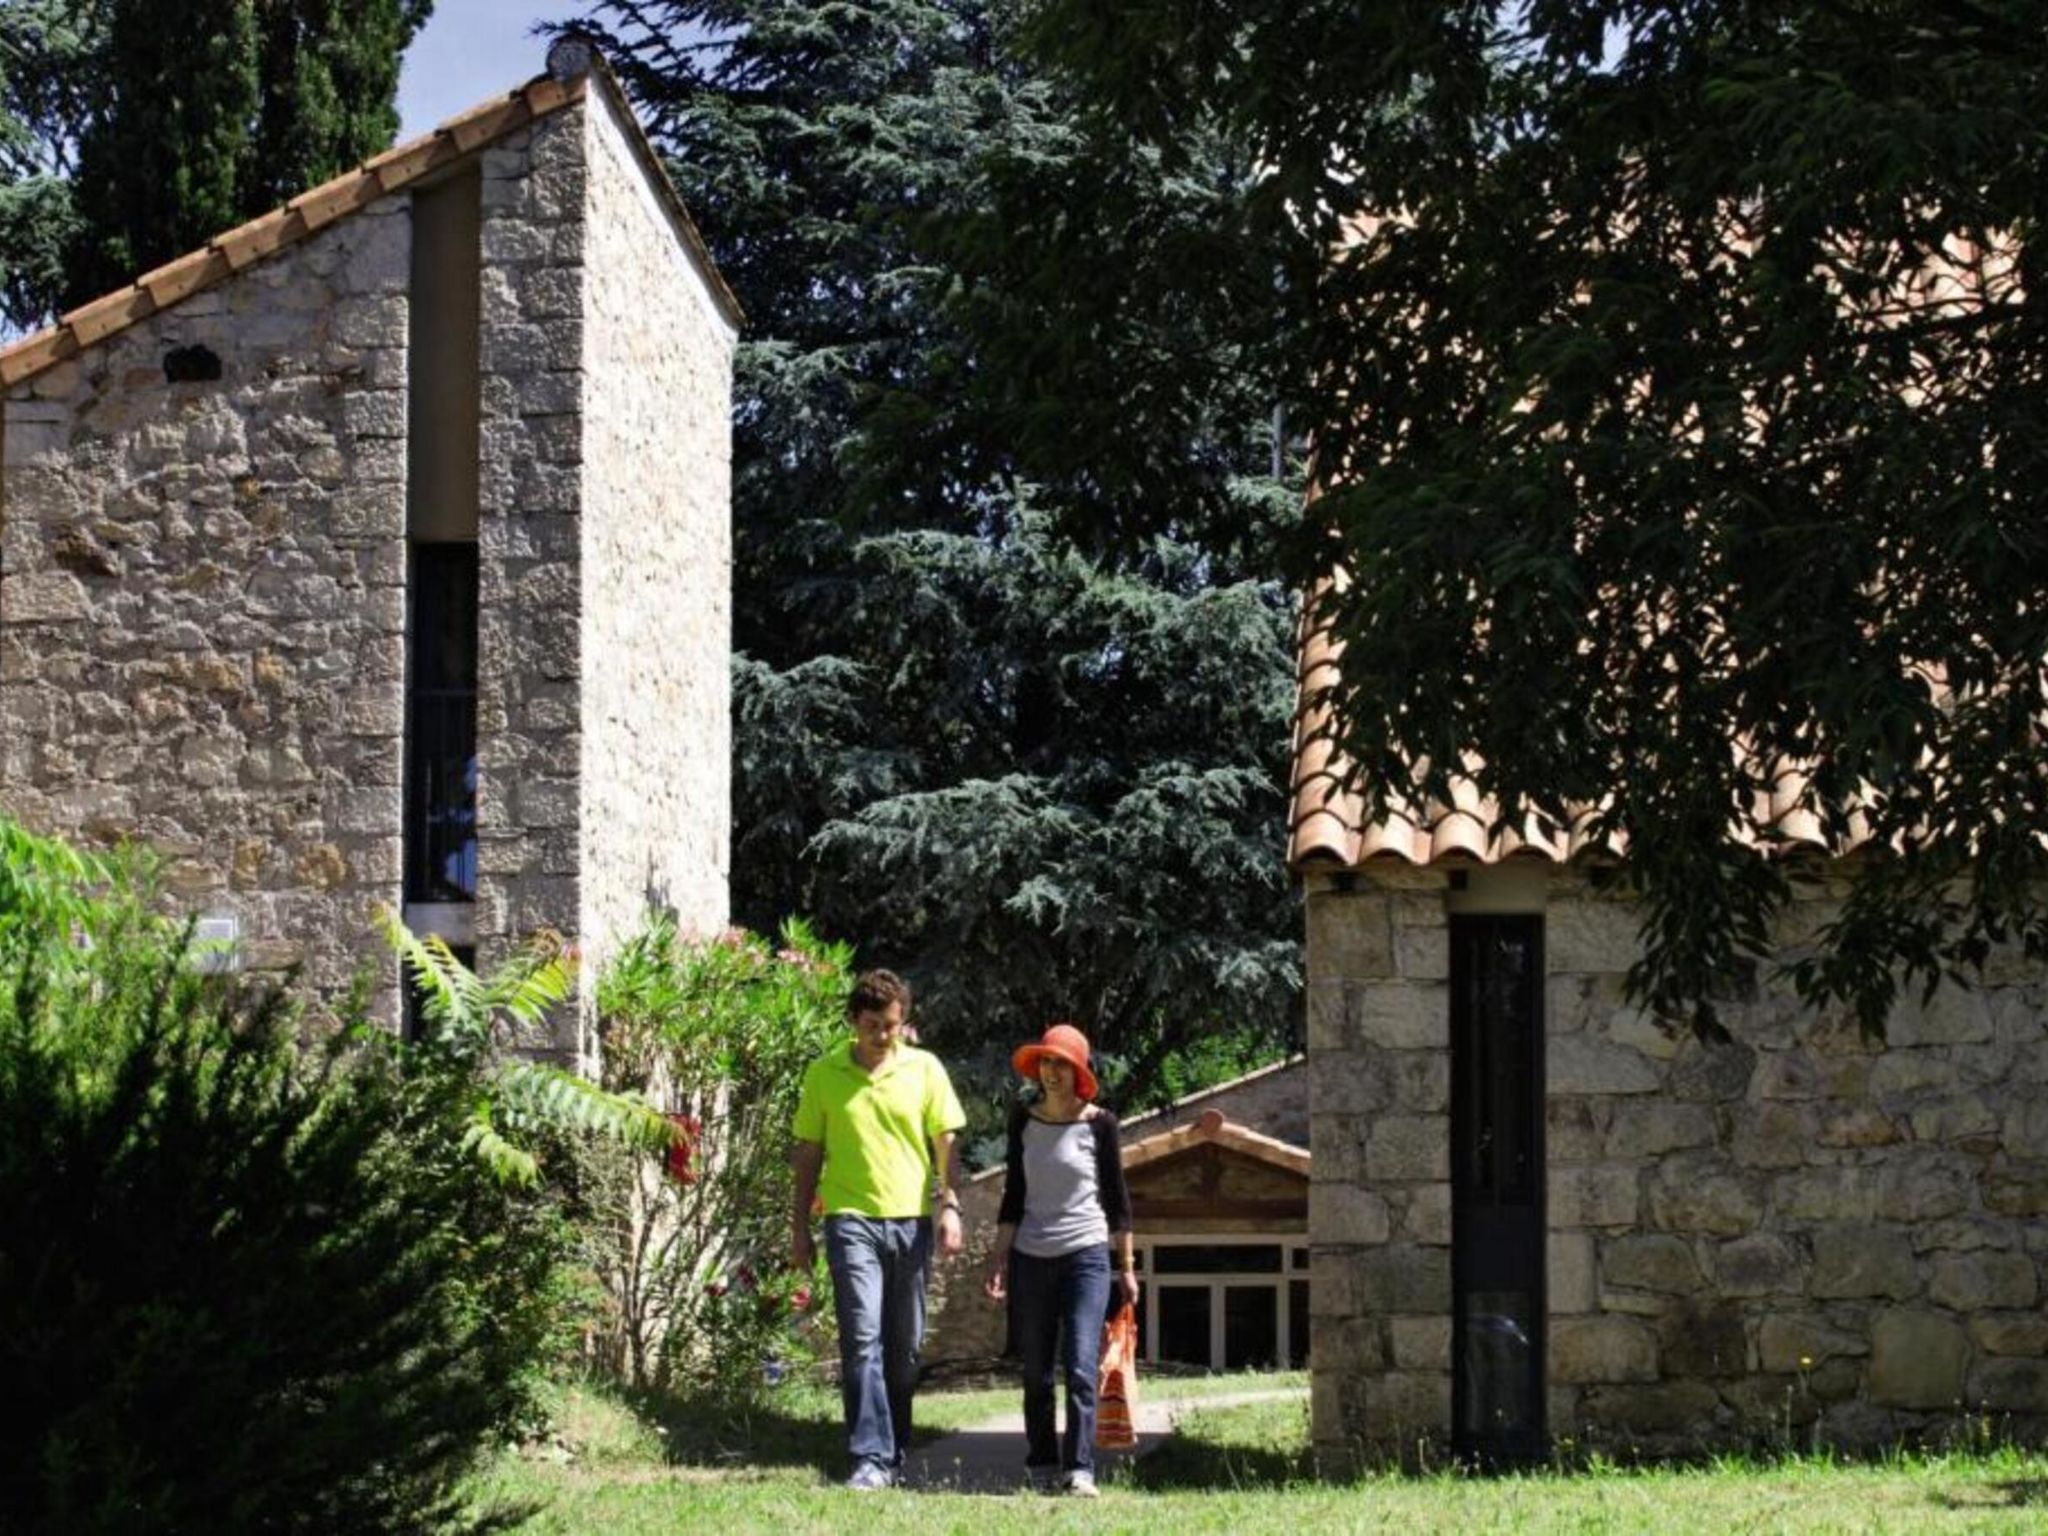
(1116, 1382)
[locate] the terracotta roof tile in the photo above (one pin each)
(1330, 823)
(318, 207)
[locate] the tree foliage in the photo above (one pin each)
(1676, 374)
(1041, 784)
(132, 131)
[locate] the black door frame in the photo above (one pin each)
(1499, 1231)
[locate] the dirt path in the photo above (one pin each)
(989, 1457)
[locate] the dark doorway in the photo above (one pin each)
(1184, 1324)
(1497, 1172)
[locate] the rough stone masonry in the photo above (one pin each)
(1799, 1235)
(203, 571)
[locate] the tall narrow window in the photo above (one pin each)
(440, 726)
(1497, 1221)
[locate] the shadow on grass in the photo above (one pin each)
(2012, 1493)
(1187, 1462)
(793, 1430)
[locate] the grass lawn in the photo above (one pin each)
(1239, 1468)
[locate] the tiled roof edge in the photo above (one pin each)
(318, 207)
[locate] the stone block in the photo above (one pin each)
(1917, 1360)
(1799, 1341)
(1351, 1345)
(1570, 1264)
(1862, 1126)
(1328, 1014)
(1965, 1234)
(2011, 1333)
(2017, 1191)
(1405, 1016)
(1826, 1194)
(1905, 1075)
(1650, 1128)
(1763, 1265)
(1773, 1135)
(1712, 1073)
(1423, 954)
(1974, 1282)
(1346, 1215)
(1401, 1405)
(1425, 1214)
(1703, 1338)
(1404, 1279)
(1408, 1148)
(46, 597)
(1333, 1283)
(1339, 1142)
(1924, 1188)
(1581, 935)
(1639, 1030)
(1853, 1259)
(1650, 1263)
(1597, 1196)
(1959, 1119)
(1786, 1075)
(1574, 1128)
(1420, 1343)
(2011, 1386)
(1704, 1195)
(1679, 1409)
(2026, 1129)
(1587, 1350)
(1590, 1065)
(1955, 1015)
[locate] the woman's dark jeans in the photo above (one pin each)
(1058, 1306)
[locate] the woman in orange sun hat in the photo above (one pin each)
(1065, 1207)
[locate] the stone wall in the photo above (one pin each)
(529, 639)
(202, 598)
(1796, 1233)
(657, 562)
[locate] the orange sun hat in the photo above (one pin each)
(1069, 1045)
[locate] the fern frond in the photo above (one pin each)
(503, 1161)
(549, 1094)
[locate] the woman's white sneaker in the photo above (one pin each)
(1081, 1485)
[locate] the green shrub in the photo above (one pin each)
(693, 1256)
(244, 1286)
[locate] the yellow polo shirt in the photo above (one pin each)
(876, 1129)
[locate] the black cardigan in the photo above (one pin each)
(1109, 1170)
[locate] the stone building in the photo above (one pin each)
(1219, 1206)
(378, 553)
(1537, 1213)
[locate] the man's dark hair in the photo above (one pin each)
(874, 991)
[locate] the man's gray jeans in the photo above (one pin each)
(879, 1269)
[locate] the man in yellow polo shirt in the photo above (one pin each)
(874, 1132)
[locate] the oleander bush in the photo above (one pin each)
(692, 1254)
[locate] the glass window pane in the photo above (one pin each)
(1184, 1325)
(1216, 1259)
(1297, 1324)
(1251, 1327)
(1499, 1378)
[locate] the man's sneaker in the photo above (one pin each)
(1044, 1479)
(1081, 1485)
(870, 1477)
